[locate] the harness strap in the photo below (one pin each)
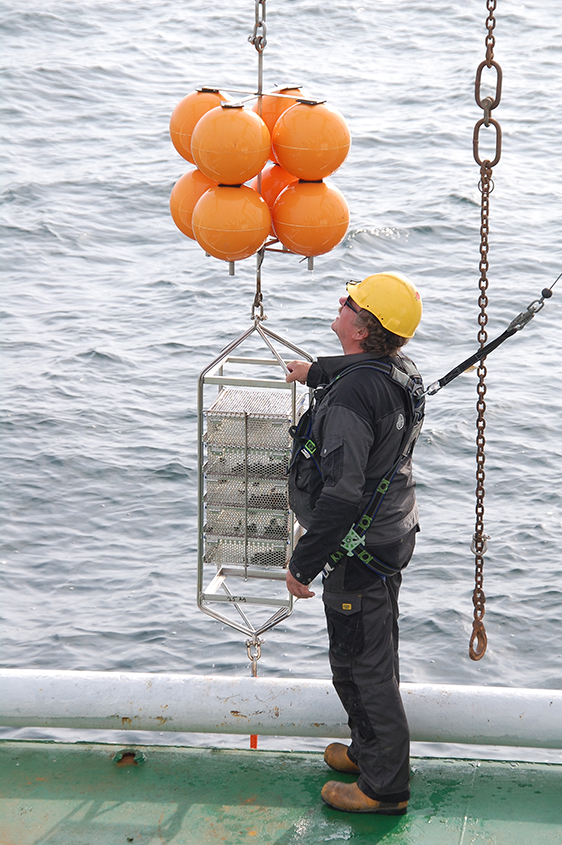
(411, 383)
(353, 544)
(355, 537)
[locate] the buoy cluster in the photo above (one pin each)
(259, 172)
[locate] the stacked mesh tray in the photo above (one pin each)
(247, 442)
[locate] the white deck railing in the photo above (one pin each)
(269, 706)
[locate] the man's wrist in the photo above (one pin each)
(299, 576)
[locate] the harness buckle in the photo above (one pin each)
(327, 571)
(351, 541)
(309, 448)
(383, 486)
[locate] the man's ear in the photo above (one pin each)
(360, 333)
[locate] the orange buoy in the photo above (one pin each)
(310, 218)
(187, 114)
(272, 107)
(311, 141)
(231, 222)
(183, 199)
(273, 180)
(230, 144)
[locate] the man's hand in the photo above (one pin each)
(300, 591)
(298, 371)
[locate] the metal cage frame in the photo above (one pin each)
(218, 590)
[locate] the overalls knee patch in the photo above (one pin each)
(350, 696)
(345, 624)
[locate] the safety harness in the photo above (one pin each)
(409, 379)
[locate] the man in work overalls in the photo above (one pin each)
(352, 445)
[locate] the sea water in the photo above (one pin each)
(109, 314)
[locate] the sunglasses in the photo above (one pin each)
(353, 305)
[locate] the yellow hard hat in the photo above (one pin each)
(393, 300)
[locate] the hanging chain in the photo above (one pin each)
(490, 26)
(478, 639)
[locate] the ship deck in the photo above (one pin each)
(56, 793)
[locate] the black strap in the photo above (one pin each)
(515, 326)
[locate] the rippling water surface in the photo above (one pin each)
(109, 314)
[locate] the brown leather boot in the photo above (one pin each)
(336, 757)
(348, 797)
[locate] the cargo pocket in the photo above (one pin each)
(331, 456)
(345, 624)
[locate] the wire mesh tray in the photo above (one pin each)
(237, 522)
(260, 553)
(237, 461)
(263, 493)
(251, 418)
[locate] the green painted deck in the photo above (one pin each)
(53, 794)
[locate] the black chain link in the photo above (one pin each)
(478, 640)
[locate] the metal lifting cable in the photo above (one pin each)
(259, 40)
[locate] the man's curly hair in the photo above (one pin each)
(379, 340)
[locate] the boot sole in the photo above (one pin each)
(399, 811)
(354, 771)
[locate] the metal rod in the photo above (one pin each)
(281, 362)
(238, 608)
(248, 382)
(286, 343)
(278, 617)
(245, 495)
(247, 600)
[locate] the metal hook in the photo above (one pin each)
(478, 641)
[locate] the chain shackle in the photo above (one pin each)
(257, 305)
(257, 314)
(258, 36)
(253, 647)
